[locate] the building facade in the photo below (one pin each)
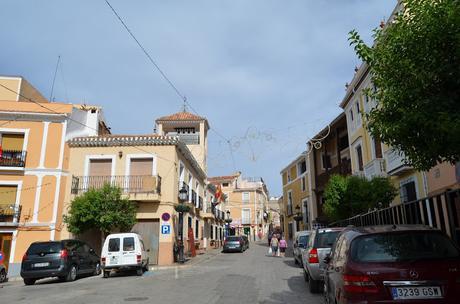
(34, 164)
(246, 201)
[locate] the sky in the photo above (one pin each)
(267, 74)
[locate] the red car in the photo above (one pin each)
(393, 264)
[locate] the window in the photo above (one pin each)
(303, 184)
(212, 232)
(128, 244)
(224, 184)
(326, 161)
(408, 191)
(197, 227)
(289, 175)
(114, 245)
(351, 115)
(189, 222)
(357, 108)
(290, 198)
(246, 216)
(301, 167)
(245, 196)
(359, 156)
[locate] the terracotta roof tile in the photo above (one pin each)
(181, 116)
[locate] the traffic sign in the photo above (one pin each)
(165, 229)
(165, 216)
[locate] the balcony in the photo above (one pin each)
(9, 214)
(136, 187)
(395, 162)
(12, 159)
(188, 139)
(375, 168)
(344, 168)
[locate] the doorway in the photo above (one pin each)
(6, 240)
(150, 232)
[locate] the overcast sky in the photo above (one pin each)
(266, 74)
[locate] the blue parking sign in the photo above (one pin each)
(165, 229)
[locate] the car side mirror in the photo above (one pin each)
(327, 259)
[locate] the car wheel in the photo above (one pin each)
(106, 273)
(305, 276)
(72, 274)
(314, 285)
(2, 276)
(140, 271)
(97, 269)
(29, 281)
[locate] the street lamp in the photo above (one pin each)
(298, 217)
(181, 208)
(228, 220)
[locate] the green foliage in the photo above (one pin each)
(103, 209)
(415, 66)
(352, 195)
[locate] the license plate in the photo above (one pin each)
(37, 265)
(422, 292)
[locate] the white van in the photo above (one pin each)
(124, 251)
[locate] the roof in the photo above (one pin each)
(302, 155)
(223, 178)
(181, 116)
(117, 140)
(328, 127)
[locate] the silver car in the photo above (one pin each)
(319, 245)
(300, 243)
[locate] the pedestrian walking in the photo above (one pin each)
(283, 246)
(270, 235)
(274, 245)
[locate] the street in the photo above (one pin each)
(250, 277)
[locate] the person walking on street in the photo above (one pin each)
(270, 235)
(283, 246)
(274, 244)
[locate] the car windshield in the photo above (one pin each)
(404, 246)
(303, 240)
(233, 238)
(48, 247)
(326, 239)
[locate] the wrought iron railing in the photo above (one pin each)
(440, 211)
(128, 184)
(10, 213)
(12, 158)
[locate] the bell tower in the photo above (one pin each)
(191, 129)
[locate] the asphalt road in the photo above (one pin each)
(250, 277)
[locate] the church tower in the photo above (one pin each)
(192, 131)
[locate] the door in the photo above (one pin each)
(150, 232)
(113, 252)
(83, 255)
(129, 251)
(5, 247)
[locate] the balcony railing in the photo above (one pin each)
(395, 162)
(344, 168)
(128, 184)
(11, 158)
(188, 139)
(375, 168)
(9, 213)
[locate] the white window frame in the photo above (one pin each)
(25, 132)
(243, 210)
(88, 158)
(243, 196)
(129, 157)
(303, 183)
(408, 180)
(18, 185)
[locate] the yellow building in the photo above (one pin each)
(369, 156)
(247, 203)
(151, 169)
(34, 164)
(296, 200)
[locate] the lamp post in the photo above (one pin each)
(183, 196)
(228, 220)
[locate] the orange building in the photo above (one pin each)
(33, 164)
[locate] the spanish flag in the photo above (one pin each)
(219, 195)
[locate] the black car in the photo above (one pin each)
(64, 259)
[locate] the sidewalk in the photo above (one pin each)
(199, 258)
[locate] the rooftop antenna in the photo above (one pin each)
(184, 107)
(54, 78)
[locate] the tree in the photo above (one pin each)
(415, 67)
(103, 209)
(352, 195)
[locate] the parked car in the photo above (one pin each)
(393, 264)
(2, 273)
(124, 251)
(319, 245)
(299, 245)
(64, 259)
(235, 243)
